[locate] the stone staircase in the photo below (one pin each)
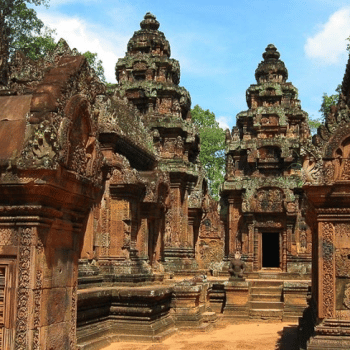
(265, 300)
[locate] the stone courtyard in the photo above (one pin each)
(262, 336)
(108, 232)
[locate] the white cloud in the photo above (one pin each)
(85, 36)
(328, 46)
(223, 122)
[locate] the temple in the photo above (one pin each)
(107, 228)
(264, 219)
(263, 175)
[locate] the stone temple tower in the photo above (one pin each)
(149, 78)
(262, 188)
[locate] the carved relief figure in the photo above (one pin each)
(127, 239)
(179, 145)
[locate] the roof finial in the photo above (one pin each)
(271, 69)
(150, 22)
(271, 52)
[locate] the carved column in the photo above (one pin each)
(327, 322)
(286, 235)
(178, 252)
(190, 232)
(251, 244)
(142, 242)
(45, 244)
(174, 221)
(158, 241)
(234, 217)
(326, 263)
(257, 252)
(120, 228)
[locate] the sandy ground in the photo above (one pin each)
(252, 336)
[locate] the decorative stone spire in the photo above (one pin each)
(150, 22)
(271, 68)
(149, 40)
(149, 78)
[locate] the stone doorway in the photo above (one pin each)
(270, 252)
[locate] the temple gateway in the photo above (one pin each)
(107, 228)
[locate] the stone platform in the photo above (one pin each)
(110, 314)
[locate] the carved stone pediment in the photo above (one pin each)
(268, 200)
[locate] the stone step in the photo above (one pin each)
(266, 283)
(209, 316)
(266, 296)
(265, 290)
(266, 305)
(274, 314)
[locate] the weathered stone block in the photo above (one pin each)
(237, 297)
(56, 304)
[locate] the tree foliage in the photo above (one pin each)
(96, 64)
(329, 101)
(212, 152)
(313, 125)
(25, 31)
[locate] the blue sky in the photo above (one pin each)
(219, 43)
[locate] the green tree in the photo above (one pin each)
(313, 125)
(212, 153)
(328, 102)
(25, 31)
(96, 64)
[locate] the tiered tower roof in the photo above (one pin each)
(264, 147)
(149, 77)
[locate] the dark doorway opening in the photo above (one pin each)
(271, 249)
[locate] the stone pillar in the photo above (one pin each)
(157, 241)
(326, 268)
(178, 252)
(45, 244)
(190, 232)
(295, 300)
(119, 228)
(234, 217)
(256, 262)
(251, 255)
(326, 325)
(142, 240)
(286, 234)
(237, 295)
(187, 305)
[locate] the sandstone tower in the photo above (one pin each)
(149, 78)
(263, 178)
